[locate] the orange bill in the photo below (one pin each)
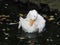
(31, 22)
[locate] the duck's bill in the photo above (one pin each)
(31, 22)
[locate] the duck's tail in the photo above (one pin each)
(20, 18)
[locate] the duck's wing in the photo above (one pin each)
(41, 23)
(20, 22)
(21, 18)
(19, 25)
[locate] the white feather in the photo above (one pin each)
(38, 25)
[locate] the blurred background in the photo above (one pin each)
(11, 10)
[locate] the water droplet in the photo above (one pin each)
(5, 7)
(6, 38)
(58, 23)
(6, 33)
(3, 29)
(6, 4)
(47, 39)
(51, 40)
(57, 35)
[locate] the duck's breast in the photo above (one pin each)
(27, 28)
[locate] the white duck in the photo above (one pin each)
(32, 23)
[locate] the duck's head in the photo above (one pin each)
(32, 16)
